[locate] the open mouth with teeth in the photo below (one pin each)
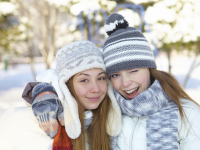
(132, 93)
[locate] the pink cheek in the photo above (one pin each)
(80, 92)
(116, 86)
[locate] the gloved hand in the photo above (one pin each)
(47, 108)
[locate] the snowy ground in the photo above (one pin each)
(13, 81)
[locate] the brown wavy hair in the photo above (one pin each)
(172, 88)
(96, 134)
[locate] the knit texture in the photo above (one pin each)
(161, 113)
(76, 57)
(113, 142)
(126, 47)
(62, 140)
(47, 108)
(114, 23)
(42, 87)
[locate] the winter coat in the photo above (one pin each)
(19, 129)
(133, 134)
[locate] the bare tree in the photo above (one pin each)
(194, 65)
(41, 31)
(192, 46)
(46, 22)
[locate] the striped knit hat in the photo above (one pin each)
(126, 47)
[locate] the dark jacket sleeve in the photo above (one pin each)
(27, 93)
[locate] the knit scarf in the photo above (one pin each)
(62, 141)
(161, 113)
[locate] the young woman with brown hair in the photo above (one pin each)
(96, 132)
(71, 105)
(156, 112)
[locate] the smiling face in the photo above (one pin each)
(130, 83)
(90, 87)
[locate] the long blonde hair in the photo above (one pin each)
(172, 88)
(96, 134)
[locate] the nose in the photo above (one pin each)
(125, 81)
(94, 88)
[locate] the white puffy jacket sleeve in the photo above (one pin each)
(7, 130)
(19, 130)
(189, 136)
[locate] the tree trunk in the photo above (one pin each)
(1, 58)
(45, 33)
(52, 45)
(32, 68)
(169, 60)
(48, 65)
(29, 44)
(192, 67)
(46, 62)
(31, 59)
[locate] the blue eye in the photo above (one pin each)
(102, 78)
(85, 80)
(114, 75)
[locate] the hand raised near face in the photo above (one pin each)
(47, 108)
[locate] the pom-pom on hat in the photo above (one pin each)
(126, 47)
(70, 60)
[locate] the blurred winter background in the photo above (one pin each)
(32, 31)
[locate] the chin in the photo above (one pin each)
(92, 107)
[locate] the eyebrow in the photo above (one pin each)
(101, 73)
(89, 75)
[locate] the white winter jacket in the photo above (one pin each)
(19, 129)
(133, 134)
